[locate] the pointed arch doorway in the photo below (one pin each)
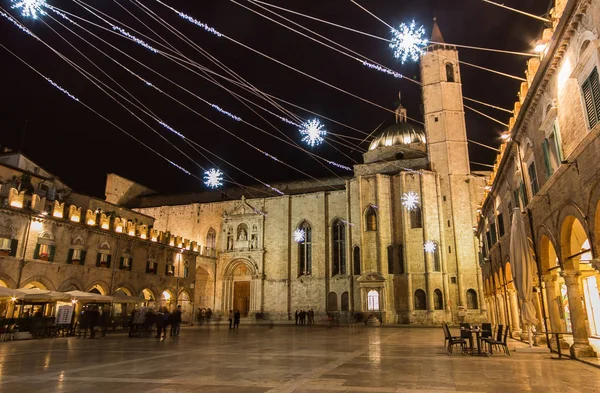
(241, 288)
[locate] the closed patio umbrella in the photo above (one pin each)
(523, 273)
(89, 297)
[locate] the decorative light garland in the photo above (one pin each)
(213, 178)
(410, 200)
(299, 235)
(340, 166)
(180, 168)
(275, 189)
(407, 41)
(269, 155)
(382, 69)
(288, 121)
(429, 246)
(168, 127)
(218, 108)
(20, 26)
(134, 38)
(71, 96)
(198, 23)
(29, 8)
(312, 132)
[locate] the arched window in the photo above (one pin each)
(371, 219)
(449, 72)
(420, 300)
(438, 300)
(305, 250)
(338, 239)
(472, 300)
(390, 258)
(332, 302)
(437, 266)
(373, 300)
(211, 238)
(416, 220)
(345, 302)
(356, 258)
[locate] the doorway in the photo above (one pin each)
(241, 297)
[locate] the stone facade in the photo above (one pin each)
(549, 167)
(350, 247)
(54, 244)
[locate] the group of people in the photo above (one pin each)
(145, 319)
(305, 317)
(204, 315)
(234, 319)
(93, 320)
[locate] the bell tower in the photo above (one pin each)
(449, 158)
(443, 107)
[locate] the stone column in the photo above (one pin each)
(581, 345)
(515, 314)
(537, 301)
(554, 302)
(501, 310)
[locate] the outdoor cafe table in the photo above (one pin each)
(477, 332)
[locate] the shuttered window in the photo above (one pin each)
(591, 98)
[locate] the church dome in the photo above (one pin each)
(399, 134)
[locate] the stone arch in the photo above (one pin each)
(70, 285)
(235, 264)
(370, 216)
(37, 282)
(105, 245)
(548, 253)
(78, 241)
(584, 39)
(569, 209)
(148, 294)
(573, 234)
(125, 288)
(8, 281)
(7, 231)
(100, 286)
(46, 234)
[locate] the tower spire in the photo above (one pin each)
(436, 33)
(400, 111)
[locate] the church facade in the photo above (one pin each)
(395, 240)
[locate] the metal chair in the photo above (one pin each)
(487, 341)
(500, 343)
(452, 340)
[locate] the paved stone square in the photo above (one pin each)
(282, 359)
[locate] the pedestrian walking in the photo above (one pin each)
(236, 319)
(160, 322)
(176, 322)
(230, 319)
(297, 316)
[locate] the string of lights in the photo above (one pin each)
(92, 78)
(163, 53)
(189, 92)
(304, 73)
(406, 43)
(229, 71)
(104, 117)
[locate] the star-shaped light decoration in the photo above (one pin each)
(299, 235)
(29, 8)
(407, 41)
(429, 246)
(410, 200)
(312, 132)
(213, 178)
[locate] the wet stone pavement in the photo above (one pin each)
(282, 359)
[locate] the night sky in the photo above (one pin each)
(80, 148)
